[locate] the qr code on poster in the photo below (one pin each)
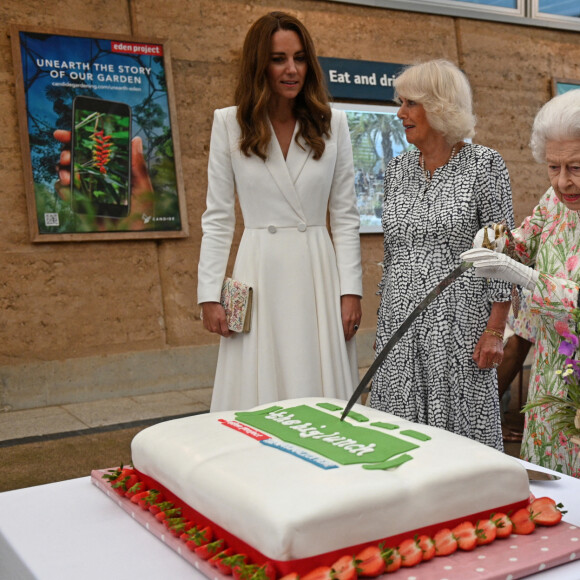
(51, 219)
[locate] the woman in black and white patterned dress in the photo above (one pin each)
(442, 371)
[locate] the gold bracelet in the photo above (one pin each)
(495, 333)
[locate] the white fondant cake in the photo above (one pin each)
(293, 481)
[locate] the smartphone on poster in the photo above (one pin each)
(101, 157)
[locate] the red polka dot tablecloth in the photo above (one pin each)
(504, 559)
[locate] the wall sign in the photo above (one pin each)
(362, 80)
(561, 86)
(99, 136)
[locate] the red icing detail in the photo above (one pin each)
(245, 429)
(304, 565)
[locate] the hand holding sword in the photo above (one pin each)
(487, 246)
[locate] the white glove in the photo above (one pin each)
(499, 243)
(490, 264)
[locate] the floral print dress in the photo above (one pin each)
(550, 237)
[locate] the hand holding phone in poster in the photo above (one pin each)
(124, 212)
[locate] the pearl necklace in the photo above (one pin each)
(426, 173)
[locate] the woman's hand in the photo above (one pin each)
(214, 318)
(489, 264)
(488, 352)
(351, 314)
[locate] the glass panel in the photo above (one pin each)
(498, 3)
(561, 7)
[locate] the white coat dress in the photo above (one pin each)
(296, 346)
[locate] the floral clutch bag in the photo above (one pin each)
(237, 302)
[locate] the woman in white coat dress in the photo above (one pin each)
(289, 159)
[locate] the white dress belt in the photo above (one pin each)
(301, 227)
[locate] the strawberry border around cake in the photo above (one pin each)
(514, 557)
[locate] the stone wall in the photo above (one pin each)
(85, 320)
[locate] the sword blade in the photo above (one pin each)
(449, 279)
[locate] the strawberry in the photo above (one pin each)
(523, 522)
(221, 561)
(486, 531)
(503, 524)
(266, 571)
(160, 507)
(244, 571)
(168, 513)
(545, 512)
(135, 489)
(195, 537)
(392, 559)
(120, 473)
(122, 479)
(291, 576)
(344, 569)
(427, 546)
(465, 535)
(177, 525)
(206, 551)
(238, 563)
(153, 498)
(320, 573)
(445, 543)
(411, 553)
(139, 496)
(370, 562)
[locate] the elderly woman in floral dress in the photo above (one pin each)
(550, 238)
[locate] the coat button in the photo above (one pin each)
(272, 229)
(301, 227)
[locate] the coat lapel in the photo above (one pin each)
(285, 171)
(297, 157)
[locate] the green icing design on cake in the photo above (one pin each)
(389, 426)
(329, 406)
(325, 434)
(389, 463)
(416, 435)
(352, 414)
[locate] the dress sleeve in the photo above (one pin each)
(218, 220)
(389, 176)
(528, 237)
(494, 204)
(344, 216)
(555, 295)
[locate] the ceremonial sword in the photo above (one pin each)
(449, 279)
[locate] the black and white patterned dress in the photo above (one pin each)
(430, 376)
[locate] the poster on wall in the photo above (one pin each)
(377, 135)
(365, 91)
(99, 137)
(561, 86)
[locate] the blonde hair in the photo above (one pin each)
(445, 94)
(557, 120)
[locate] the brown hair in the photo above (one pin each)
(253, 92)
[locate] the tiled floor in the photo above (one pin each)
(15, 425)
(45, 445)
(82, 417)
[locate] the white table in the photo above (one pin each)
(71, 531)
